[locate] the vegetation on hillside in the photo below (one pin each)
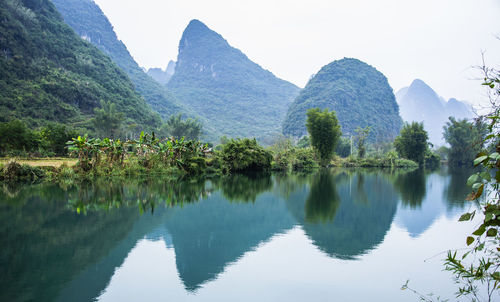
(49, 74)
(233, 95)
(357, 92)
(87, 19)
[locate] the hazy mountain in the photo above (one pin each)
(48, 73)
(360, 95)
(87, 19)
(421, 103)
(235, 96)
(162, 76)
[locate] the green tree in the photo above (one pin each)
(107, 120)
(324, 129)
(53, 138)
(412, 142)
(361, 135)
(465, 139)
(16, 136)
(343, 148)
(177, 127)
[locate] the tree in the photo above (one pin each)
(343, 148)
(476, 269)
(188, 128)
(465, 139)
(412, 142)
(361, 135)
(107, 120)
(15, 136)
(324, 129)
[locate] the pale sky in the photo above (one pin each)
(437, 41)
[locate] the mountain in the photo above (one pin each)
(87, 19)
(162, 76)
(234, 96)
(421, 103)
(360, 95)
(48, 73)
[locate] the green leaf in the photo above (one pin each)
(488, 217)
(492, 232)
(465, 217)
(480, 231)
(474, 178)
(470, 239)
(480, 159)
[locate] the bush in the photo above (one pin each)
(239, 155)
(14, 171)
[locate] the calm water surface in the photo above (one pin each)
(334, 235)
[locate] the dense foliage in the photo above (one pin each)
(233, 95)
(357, 92)
(17, 139)
(324, 130)
(48, 73)
(87, 19)
(239, 155)
(412, 142)
(175, 126)
(465, 139)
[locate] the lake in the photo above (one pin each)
(332, 235)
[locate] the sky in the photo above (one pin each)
(438, 41)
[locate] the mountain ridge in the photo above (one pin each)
(419, 102)
(92, 25)
(234, 95)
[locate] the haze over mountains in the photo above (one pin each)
(421, 103)
(162, 76)
(50, 74)
(236, 96)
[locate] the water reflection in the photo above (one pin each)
(323, 200)
(65, 242)
(357, 223)
(411, 187)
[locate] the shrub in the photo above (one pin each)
(239, 155)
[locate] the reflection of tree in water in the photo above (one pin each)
(411, 187)
(323, 200)
(145, 194)
(357, 226)
(244, 187)
(45, 245)
(457, 189)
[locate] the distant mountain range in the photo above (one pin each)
(360, 95)
(88, 20)
(162, 76)
(48, 73)
(233, 95)
(421, 103)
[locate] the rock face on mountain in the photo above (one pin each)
(162, 76)
(359, 94)
(48, 73)
(234, 96)
(87, 19)
(421, 103)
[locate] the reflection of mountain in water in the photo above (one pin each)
(428, 198)
(211, 234)
(48, 251)
(363, 217)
